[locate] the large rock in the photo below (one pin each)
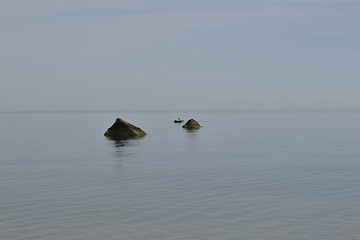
(191, 125)
(122, 130)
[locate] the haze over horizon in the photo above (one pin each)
(258, 55)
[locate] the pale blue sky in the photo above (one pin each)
(179, 55)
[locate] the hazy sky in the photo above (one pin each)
(180, 55)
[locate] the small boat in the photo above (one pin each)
(178, 120)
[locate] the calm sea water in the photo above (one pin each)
(242, 176)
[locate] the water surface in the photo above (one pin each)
(244, 175)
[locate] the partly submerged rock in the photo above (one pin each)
(191, 124)
(122, 130)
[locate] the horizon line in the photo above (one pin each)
(215, 110)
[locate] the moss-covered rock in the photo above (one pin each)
(122, 130)
(191, 125)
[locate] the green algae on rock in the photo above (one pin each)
(191, 125)
(122, 130)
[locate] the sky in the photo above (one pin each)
(180, 55)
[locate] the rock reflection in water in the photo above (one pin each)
(122, 148)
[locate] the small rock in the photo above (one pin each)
(191, 125)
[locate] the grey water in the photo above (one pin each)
(243, 175)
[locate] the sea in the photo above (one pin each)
(242, 176)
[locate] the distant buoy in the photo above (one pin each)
(178, 120)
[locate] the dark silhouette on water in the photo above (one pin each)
(178, 120)
(191, 125)
(122, 130)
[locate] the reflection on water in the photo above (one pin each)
(192, 142)
(120, 143)
(192, 133)
(122, 148)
